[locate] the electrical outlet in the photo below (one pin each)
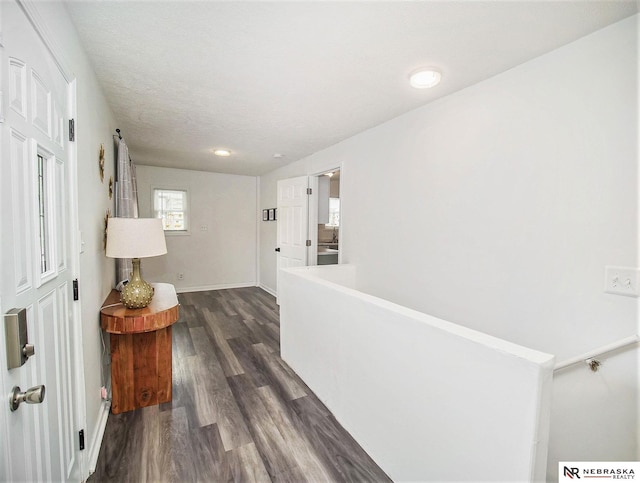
(181, 276)
(622, 281)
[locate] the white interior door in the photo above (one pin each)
(37, 264)
(293, 223)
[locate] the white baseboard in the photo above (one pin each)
(268, 290)
(96, 440)
(223, 286)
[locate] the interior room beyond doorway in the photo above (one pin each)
(328, 217)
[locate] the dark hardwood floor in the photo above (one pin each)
(238, 413)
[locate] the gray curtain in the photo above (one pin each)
(126, 201)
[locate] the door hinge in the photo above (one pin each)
(72, 129)
(308, 243)
(76, 294)
(81, 439)
(309, 191)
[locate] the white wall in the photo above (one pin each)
(94, 126)
(223, 255)
(490, 425)
(498, 208)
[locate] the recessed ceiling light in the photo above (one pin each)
(425, 78)
(278, 155)
(222, 152)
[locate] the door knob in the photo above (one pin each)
(34, 395)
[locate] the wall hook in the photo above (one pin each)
(594, 364)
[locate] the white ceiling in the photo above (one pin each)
(259, 78)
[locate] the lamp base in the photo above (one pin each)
(137, 294)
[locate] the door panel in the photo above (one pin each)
(20, 203)
(18, 87)
(39, 440)
(40, 104)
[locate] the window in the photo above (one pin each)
(171, 206)
(334, 212)
(43, 214)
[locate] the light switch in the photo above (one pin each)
(622, 281)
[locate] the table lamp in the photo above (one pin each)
(135, 238)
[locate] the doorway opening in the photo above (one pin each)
(328, 222)
(309, 226)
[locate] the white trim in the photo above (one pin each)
(221, 286)
(258, 221)
(269, 290)
(312, 229)
(313, 211)
(75, 245)
(98, 434)
(341, 231)
(32, 11)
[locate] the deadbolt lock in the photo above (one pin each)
(18, 347)
(28, 350)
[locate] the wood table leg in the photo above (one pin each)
(140, 369)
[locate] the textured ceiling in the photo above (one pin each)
(258, 78)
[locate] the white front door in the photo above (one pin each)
(38, 442)
(293, 223)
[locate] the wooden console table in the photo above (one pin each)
(140, 349)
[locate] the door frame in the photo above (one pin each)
(312, 256)
(32, 11)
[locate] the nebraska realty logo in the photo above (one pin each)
(612, 470)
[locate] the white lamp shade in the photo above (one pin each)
(135, 238)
